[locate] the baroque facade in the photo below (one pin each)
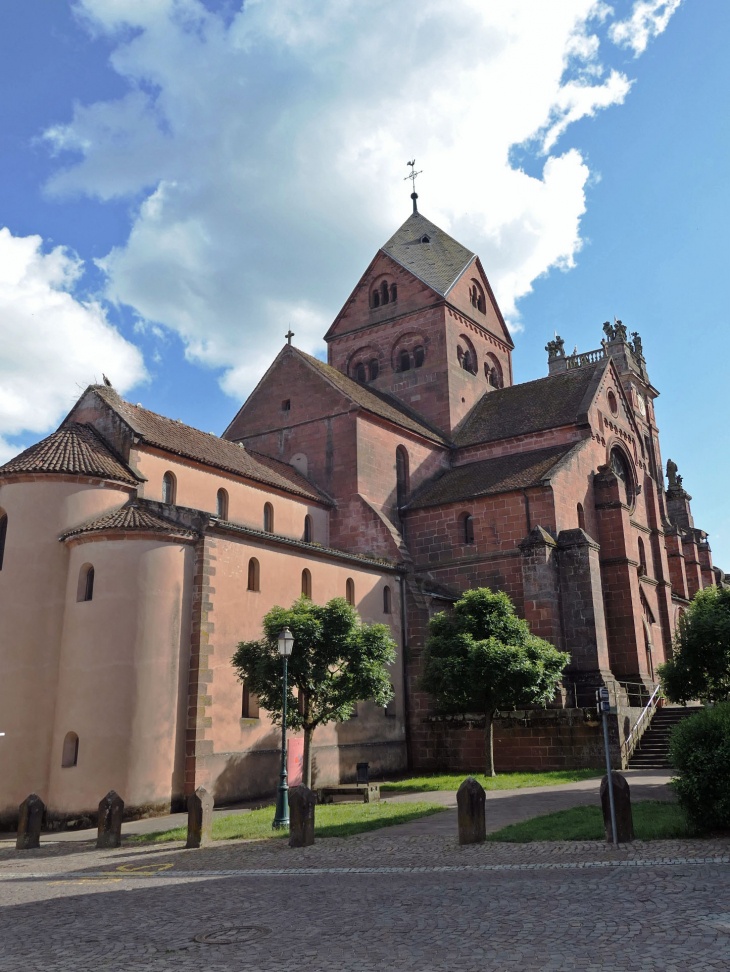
(135, 551)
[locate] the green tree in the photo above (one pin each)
(700, 666)
(336, 662)
(483, 658)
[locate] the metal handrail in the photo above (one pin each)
(639, 726)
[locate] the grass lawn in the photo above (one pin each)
(653, 820)
(504, 781)
(331, 820)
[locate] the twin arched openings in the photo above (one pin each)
(407, 359)
(476, 296)
(367, 372)
(385, 293)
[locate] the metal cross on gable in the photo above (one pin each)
(289, 335)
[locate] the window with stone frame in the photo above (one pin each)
(249, 703)
(169, 488)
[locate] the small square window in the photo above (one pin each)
(286, 405)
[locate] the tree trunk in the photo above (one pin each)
(307, 768)
(489, 743)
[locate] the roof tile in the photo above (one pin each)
(438, 263)
(74, 449)
(131, 518)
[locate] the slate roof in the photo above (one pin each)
(377, 402)
(131, 518)
(546, 403)
(438, 263)
(75, 449)
(184, 440)
(498, 475)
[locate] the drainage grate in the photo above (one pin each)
(233, 936)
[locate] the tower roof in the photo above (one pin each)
(439, 262)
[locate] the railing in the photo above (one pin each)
(588, 357)
(641, 724)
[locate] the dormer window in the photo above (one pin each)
(425, 239)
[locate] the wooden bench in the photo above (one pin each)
(367, 792)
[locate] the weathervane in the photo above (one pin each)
(412, 176)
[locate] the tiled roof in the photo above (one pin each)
(73, 449)
(376, 402)
(183, 440)
(439, 263)
(546, 403)
(498, 475)
(131, 518)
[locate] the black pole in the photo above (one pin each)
(281, 818)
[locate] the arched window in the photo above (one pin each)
(306, 584)
(168, 488)
(404, 361)
(3, 535)
(375, 298)
(476, 295)
(386, 600)
(581, 517)
(419, 354)
(221, 504)
(360, 373)
(70, 755)
(642, 557)
(268, 518)
(394, 292)
(249, 703)
(620, 466)
(350, 591)
(308, 531)
(493, 371)
(374, 369)
(254, 575)
(466, 521)
(466, 361)
(85, 589)
(401, 475)
(384, 293)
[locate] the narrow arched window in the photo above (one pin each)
(268, 518)
(466, 361)
(474, 296)
(386, 600)
(467, 528)
(384, 295)
(85, 589)
(374, 369)
(394, 292)
(308, 532)
(168, 488)
(306, 584)
(642, 556)
(401, 475)
(360, 372)
(70, 754)
(419, 354)
(3, 535)
(376, 298)
(350, 591)
(254, 576)
(404, 361)
(221, 504)
(581, 517)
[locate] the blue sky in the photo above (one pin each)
(180, 181)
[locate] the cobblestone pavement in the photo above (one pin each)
(371, 902)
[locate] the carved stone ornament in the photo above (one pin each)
(556, 348)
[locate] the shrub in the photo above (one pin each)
(699, 750)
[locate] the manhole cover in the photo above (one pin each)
(233, 936)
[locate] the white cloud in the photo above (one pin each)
(52, 343)
(648, 19)
(269, 152)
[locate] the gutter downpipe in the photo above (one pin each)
(406, 705)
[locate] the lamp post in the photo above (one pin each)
(281, 819)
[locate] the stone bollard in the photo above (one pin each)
(200, 818)
(622, 803)
(30, 821)
(471, 801)
(111, 810)
(302, 801)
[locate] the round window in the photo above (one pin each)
(612, 403)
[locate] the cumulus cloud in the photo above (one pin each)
(52, 342)
(265, 152)
(648, 19)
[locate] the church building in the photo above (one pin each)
(136, 552)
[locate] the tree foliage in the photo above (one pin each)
(336, 662)
(700, 667)
(483, 658)
(699, 751)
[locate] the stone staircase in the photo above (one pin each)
(652, 751)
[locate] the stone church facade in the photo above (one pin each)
(135, 551)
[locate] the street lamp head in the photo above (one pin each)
(286, 642)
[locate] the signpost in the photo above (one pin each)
(604, 707)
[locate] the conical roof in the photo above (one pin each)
(73, 449)
(428, 252)
(132, 518)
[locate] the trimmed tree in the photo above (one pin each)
(483, 658)
(337, 661)
(700, 666)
